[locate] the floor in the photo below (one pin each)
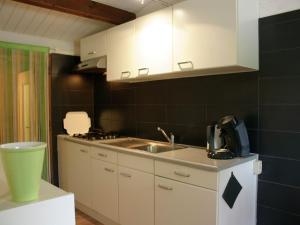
(83, 219)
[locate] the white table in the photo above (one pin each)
(54, 207)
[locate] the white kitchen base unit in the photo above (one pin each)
(181, 187)
(54, 207)
(179, 201)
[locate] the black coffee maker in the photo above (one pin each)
(228, 138)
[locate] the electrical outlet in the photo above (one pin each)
(257, 167)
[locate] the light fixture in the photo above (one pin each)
(141, 1)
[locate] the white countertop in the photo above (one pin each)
(191, 156)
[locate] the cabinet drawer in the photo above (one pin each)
(103, 154)
(136, 162)
(202, 178)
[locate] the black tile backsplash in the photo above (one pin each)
(280, 117)
(283, 90)
(282, 35)
(280, 144)
(279, 170)
(278, 196)
(268, 101)
(270, 216)
(281, 63)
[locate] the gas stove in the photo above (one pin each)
(94, 136)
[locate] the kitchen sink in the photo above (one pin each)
(157, 148)
(145, 145)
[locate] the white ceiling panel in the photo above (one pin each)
(31, 20)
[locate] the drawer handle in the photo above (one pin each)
(84, 65)
(180, 64)
(102, 155)
(125, 74)
(181, 174)
(109, 170)
(83, 151)
(92, 53)
(143, 74)
(125, 175)
(165, 187)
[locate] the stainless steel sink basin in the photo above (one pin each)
(145, 145)
(157, 148)
(128, 143)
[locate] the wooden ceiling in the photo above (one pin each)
(85, 8)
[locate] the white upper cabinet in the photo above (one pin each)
(93, 46)
(191, 38)
(211, 34)
(120, 52)
(153, 43)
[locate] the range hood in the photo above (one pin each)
(96, 65)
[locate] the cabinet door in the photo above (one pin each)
(105, 189)
(63, 163)
(178, 203)
(204, 34)
(79, 172)
(136, 197)
(93, 46)
(120, 52)
(153, 40)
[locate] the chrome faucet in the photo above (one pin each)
(170, 139)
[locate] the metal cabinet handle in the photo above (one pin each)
(143, 74)
(180, 64)
(125, 175)
(109, 170)
(165, 187)
(84, 65)
(125, 74)
(102, 155)
(83, 151)
(181, 174)
(92, 53)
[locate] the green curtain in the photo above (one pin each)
(23, 94)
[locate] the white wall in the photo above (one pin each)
(273, 7)
(56, 46)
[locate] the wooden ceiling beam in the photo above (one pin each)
(85, 8)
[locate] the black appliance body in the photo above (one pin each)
(233, 136)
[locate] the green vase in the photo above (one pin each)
(23, 164)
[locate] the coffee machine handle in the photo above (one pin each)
(210, 132)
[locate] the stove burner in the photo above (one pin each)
(92, 136)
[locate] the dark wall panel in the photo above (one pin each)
(69, 92)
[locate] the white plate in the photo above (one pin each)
(77, 123)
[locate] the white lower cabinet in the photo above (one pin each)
(178, 203)
(105, 188)
(74, 163)
(136, 197)
(126, 189)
